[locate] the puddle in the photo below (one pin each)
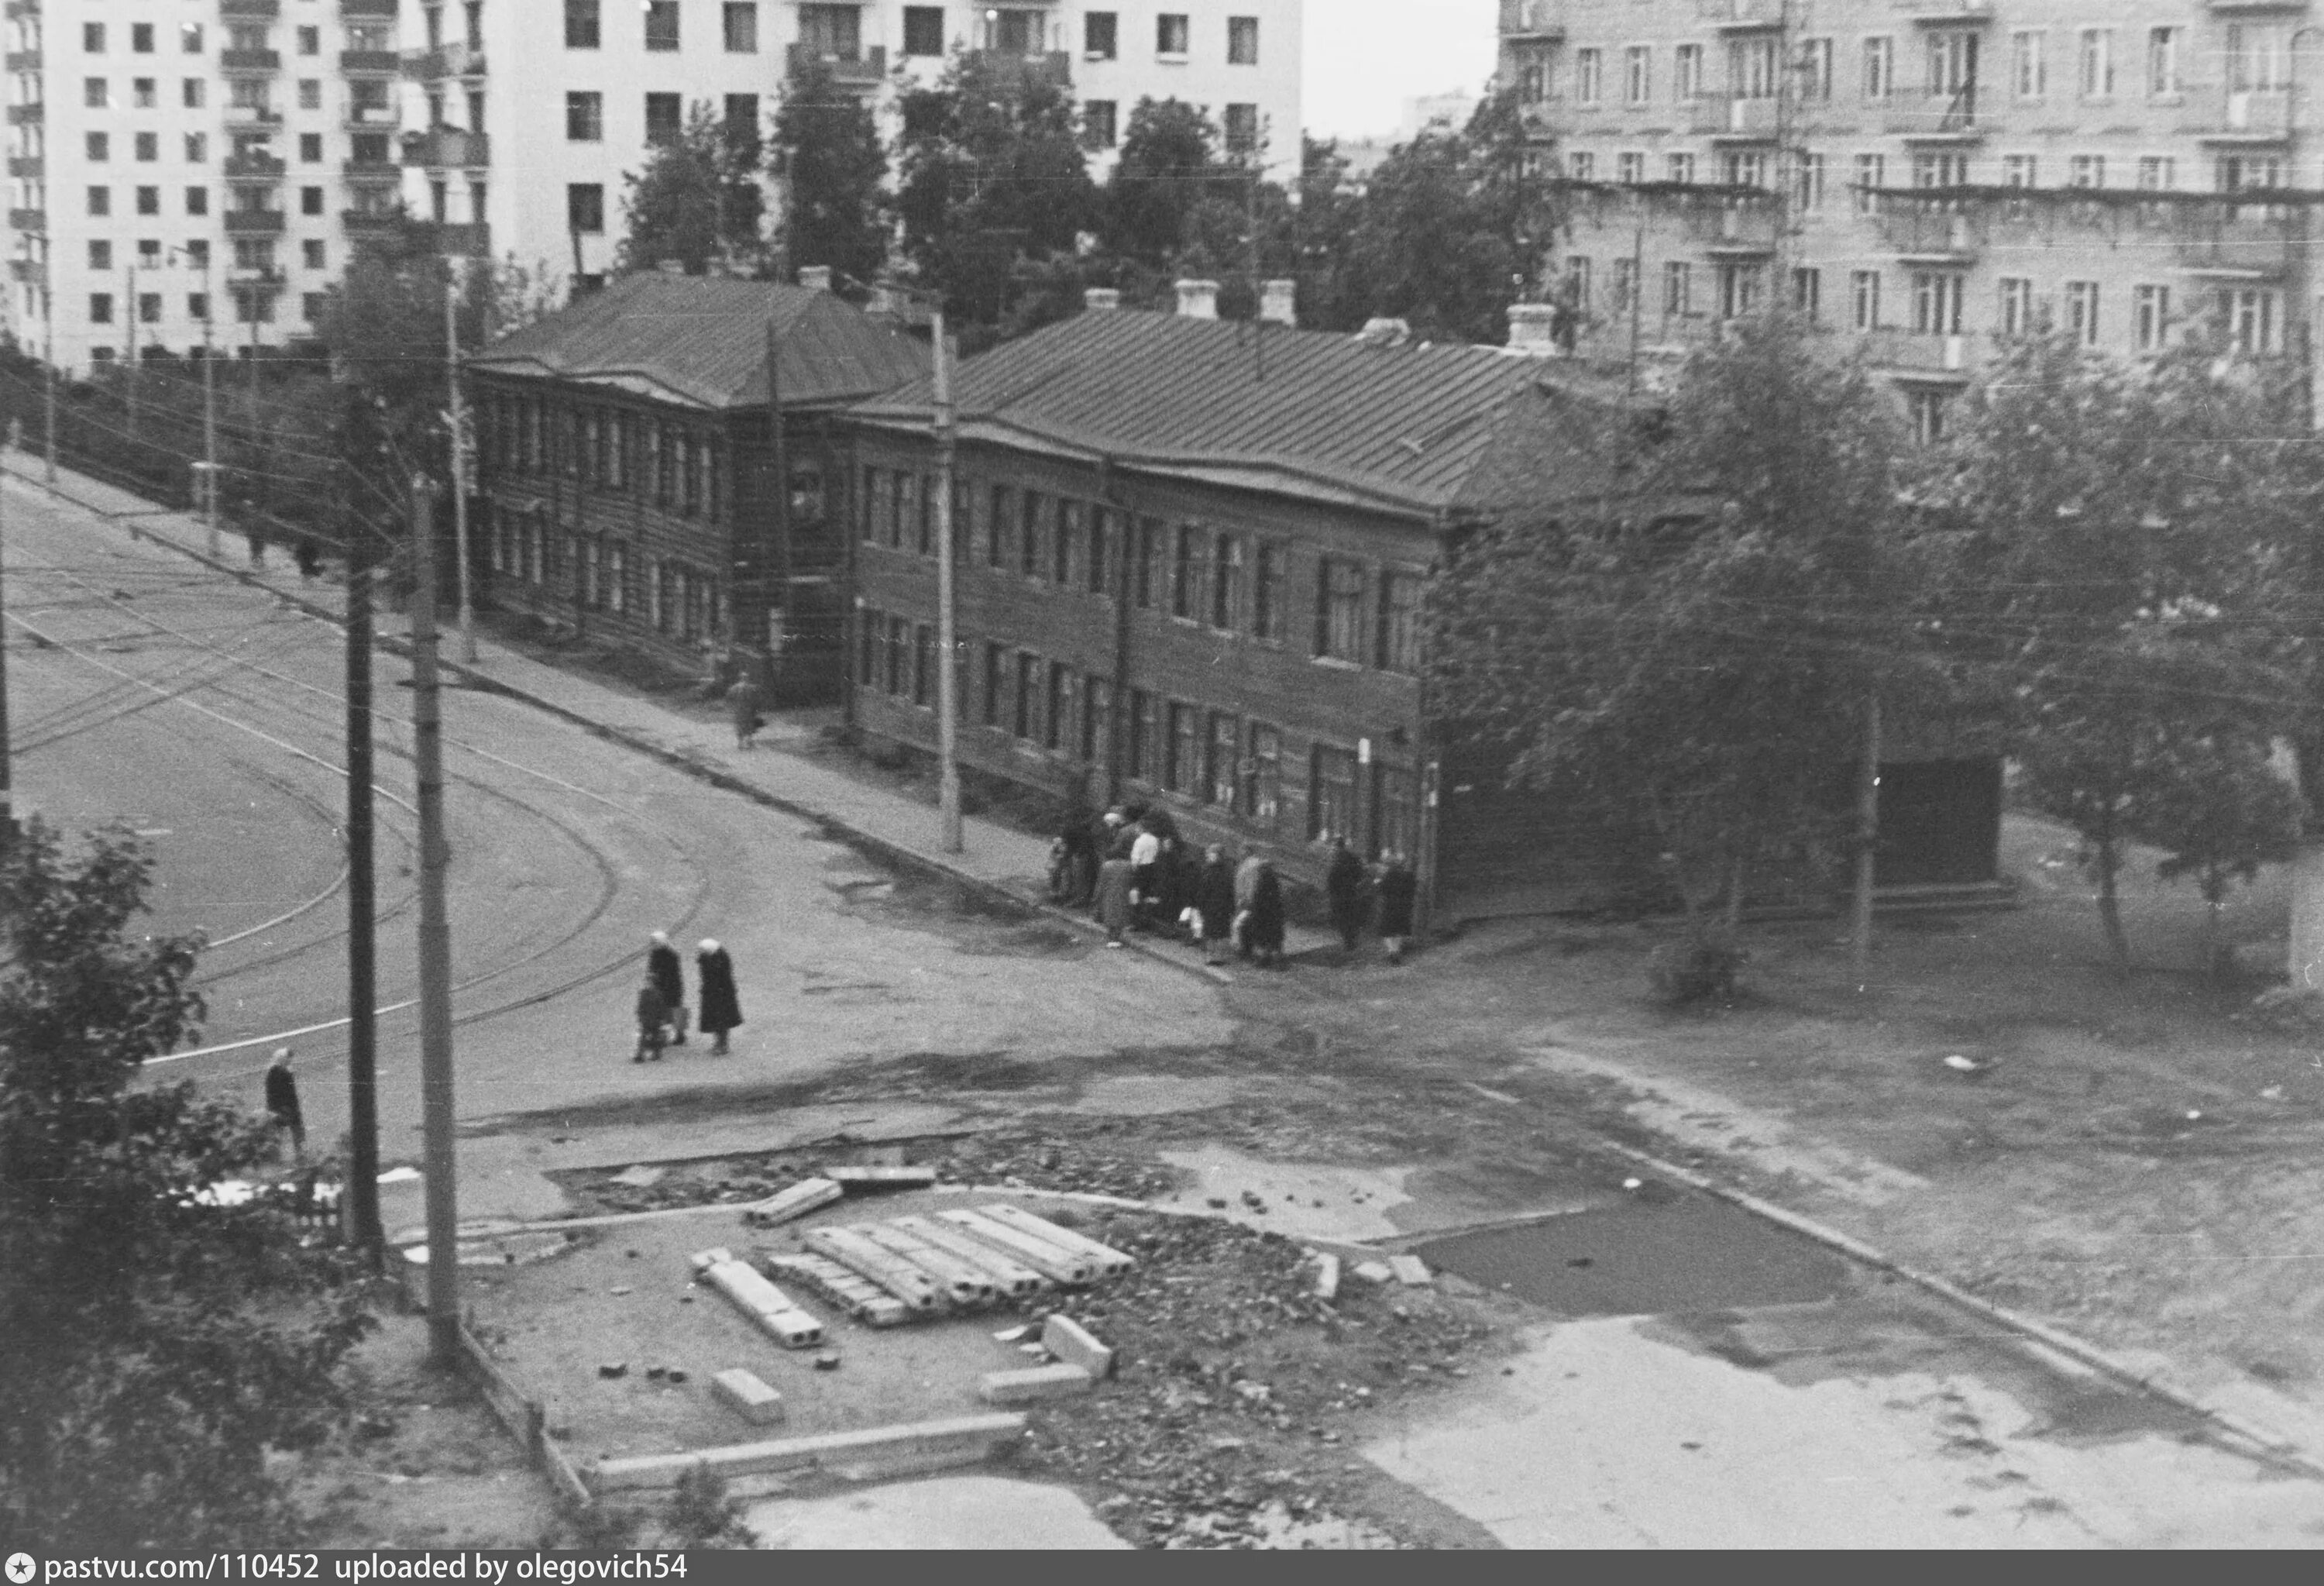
(1689, 1253)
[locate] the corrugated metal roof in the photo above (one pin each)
(1313, 411)
(703, 340)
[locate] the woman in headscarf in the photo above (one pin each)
(1266, 917)
(1214, 901)
(722, 1009)
(669, 979)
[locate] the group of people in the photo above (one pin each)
(1134, 870)
(662, 1000)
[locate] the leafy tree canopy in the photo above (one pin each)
(836, 166)
(697, 201)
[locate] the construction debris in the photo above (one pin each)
(747, 1397)
(868, 1176)
(861, 1298)
(1074, 1345)
(1410, 1271)
(761, 1301)
(1327, 1276)
(1031, 1384)
(798, 1200)
(861, 1256)
(1374, 1272)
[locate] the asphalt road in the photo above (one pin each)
(210, 717)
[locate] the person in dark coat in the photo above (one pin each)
(1214, 901)
(1397, 888)
(1348, 889)
(1265, 931)
(1114, 888)
(1182, 875)
(742, 710)
(1077, 875)
(309, 555)
(653, 1021)
(722, 1009)
(282, 1101)
(669, 979)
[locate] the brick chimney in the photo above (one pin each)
(1532, 330)
(1100, 299)
(1198, 300)
(1278, 302)
(816, 278)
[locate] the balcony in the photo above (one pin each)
(1936, 118)
(254, 168)
(369, 171)
(1734, 228)
(1947, 11)
(269, 279)
(867, 68)
(27, 165)
(1734, 119)
(253, 9)
(23, 61)
(372, 117)
(2248, 116)
(250, 60)
(254, 222)
(21, 115)
(2255, 7)
(1918, 358)
(253, 116)
(370, 222)
(2238, 241)
(16, 8)
(1934, 231)
(1540, 20)
(445, 61)
(1543, 118)
(1737, 15)
(370, 62)
(26, 270)
(385, 8)
(28, 220)
(465, 240)
(447, 146)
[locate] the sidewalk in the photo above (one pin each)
(998, 860)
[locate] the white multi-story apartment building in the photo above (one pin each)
(176, 169)
(1919, 175)
(177, 166)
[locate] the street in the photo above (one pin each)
(1736, 1407)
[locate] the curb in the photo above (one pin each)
(876, 1452)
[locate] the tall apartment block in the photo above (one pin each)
(177, 166)
(1922, 175)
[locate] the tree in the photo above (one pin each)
(2116, 578)
(698, 201)
(1167, 168)
(158, 1344)
(2223, 810)
(1691, 656)
(836, 169)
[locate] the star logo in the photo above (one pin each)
(20, 1568)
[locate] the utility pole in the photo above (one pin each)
(459, 463)
(775, 571)
(1868, 839)
(129, 308)
(947, 583)
(209, 410)
(48, 368)
(362, 983)
(7, 796)
(435, 945)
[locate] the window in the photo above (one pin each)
(1002, 513)
(924, 32)
(100, 200)
(2150, 313)
(100, 256)
(1097, 719)
(310, 200)
(311, 255)
(2085, 171)
(1150, 549)
(1399, 642)
(1243, 40)
(99, 145)
(1740, 293)
(1637, 74)
(1940, 170)
(1182, 765)
(1681, 168)
(1101, 33)
(1242, 128)
(194, 93)
(1065, 539)
(1622, 285)
(1815, 70)
(1577, 281)
(1222, 747)
(1057, 709)
(1879, 68)
(2018, 171)
(1807, 183)
(1630, 168)
(2251, 319)
(585, 207)
(190, 37)
(149, 253)
(742, 124)
(92, 38)
(2082, 311)
(581, 24)
(148, 200)
(1686, 72)
(585, 118)
(1581, 165)
(96, 95)
(1953, 63)
(141, 38)
(2163, 62)
(149, 146)
(1267, 592)
(100, 308)
(1262, 777)
(661, 24)
(664, 118)
(1754, 68)
(1172, 33)
(1864, 299)
(2157, 173)
(1032, 517)
(198, 200)
(1924, 410)
(1226, 581)
(1678, 288)
(2029, 63)
(2016, 306)
(1100, 124)
(1098, 564)
(1026, 703)
(1746, 168)
(2259, 59)
(1331, 794)
(310, 94)
(1807, 293)
(742, 27)
(2095, 79)
(1140, 757)
(1186, 570)
(1871, 175)
(1937, 302)
(1339, 609)
(1589, 77)
(310, 41)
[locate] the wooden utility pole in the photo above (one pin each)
(362, 985)
(770, 565)
(129, 306)
(459, 464)
(435, 945)
(1868, 840)
(209, 407)
(7, 795)
(947, 584)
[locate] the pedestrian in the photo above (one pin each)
(1396, 890)
(309, 558)
(1078, 873)
(254, 532)
(1246, 892)
(1215, 904)
(1115, 883)
(720, 1010)
(1145, 875)
(1266, 928)
(653, 1020)
(1348, 890)
(282, 1101)
(669, 979)
(742, 707)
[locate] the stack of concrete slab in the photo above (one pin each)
(773, 1310)
(911, 1268)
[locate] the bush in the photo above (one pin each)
(1698, 970)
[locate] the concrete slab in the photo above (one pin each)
(949, 1513)
(1355, 1201)
(606, 1144)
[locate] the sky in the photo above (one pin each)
(1365, 57)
